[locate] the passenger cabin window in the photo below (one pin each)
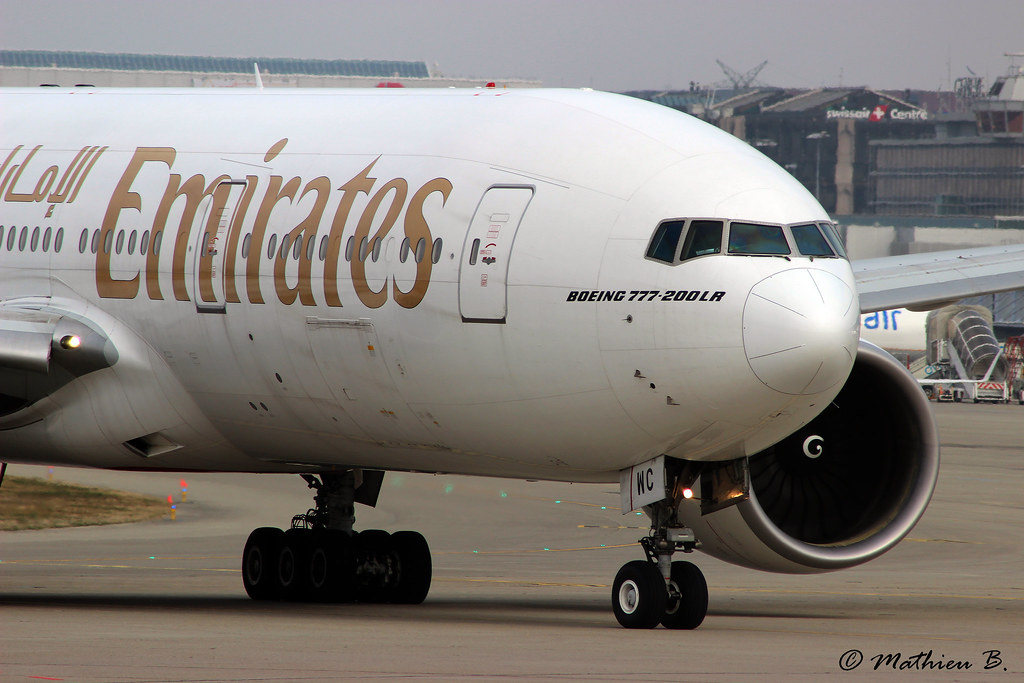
(810, 241)
(665, 240)
(751, 238)
(703, 238)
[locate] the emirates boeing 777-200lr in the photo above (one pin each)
(539, 284)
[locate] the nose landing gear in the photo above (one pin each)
(321, 559)
(658, 590)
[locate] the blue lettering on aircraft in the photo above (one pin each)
(884, 319)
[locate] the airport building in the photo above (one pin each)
(822, 136)
(979, 171)
(35, 67)
(869, 152)
(863, 151)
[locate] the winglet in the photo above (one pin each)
(259, 79)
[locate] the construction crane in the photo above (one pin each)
(741, 81)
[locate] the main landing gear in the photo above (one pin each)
(658, 590)
(321, 559)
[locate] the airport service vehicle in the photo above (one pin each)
(562, 285)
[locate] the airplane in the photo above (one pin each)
(897, 331)
(541, 284)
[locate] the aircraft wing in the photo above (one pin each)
(931, 280)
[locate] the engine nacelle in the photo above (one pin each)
(842, 490)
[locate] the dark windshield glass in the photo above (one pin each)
(750, 238)
(665, 240)
(833, 238)
(703, 237)
(810, 242)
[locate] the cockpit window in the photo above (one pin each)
(703, 237)
(750, 238)
(833, 238)
(810, 242)
(678, 240)
(665, 240)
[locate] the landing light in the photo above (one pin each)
(687, 493)
(70, 341)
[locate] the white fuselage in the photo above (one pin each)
(520, 331)
(897, 330)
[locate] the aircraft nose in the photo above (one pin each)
(800, 330)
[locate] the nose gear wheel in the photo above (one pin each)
(657, 590)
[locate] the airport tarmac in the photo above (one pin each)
(521, 591)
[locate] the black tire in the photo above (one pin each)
(689, 609)
(293, 564)
(332, 569)
(259, 563)
(376, 566)
(639, 595)
(414, 568)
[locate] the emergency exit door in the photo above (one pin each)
(483, 271)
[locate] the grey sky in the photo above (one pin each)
(642, 44)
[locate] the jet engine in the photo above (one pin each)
(840, 491)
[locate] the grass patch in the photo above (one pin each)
(40, 504)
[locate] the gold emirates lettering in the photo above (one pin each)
(195, 189)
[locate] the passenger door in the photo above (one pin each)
(211, 247)
(483, 271)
